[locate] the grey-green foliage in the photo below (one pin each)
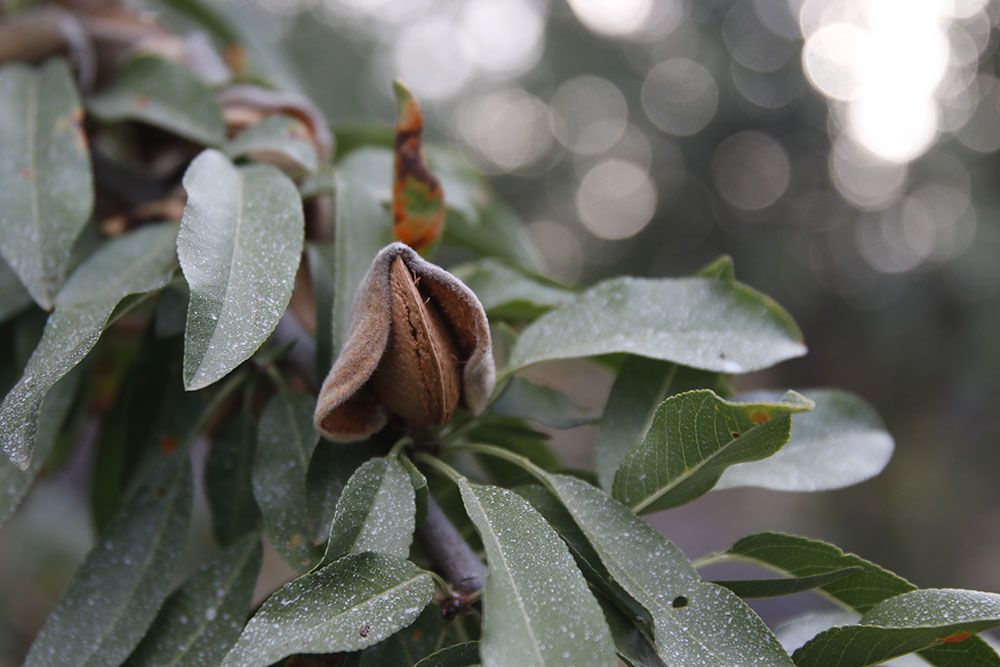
(279, 136)
(285, 443)
(903, 624)
(229, 479)
(456, 655)
(348, 605)
(363, 227)
(693, 622)
(239, 247)
(841, 442)
(14, 482)
(199, 623)
(510, 294)
(541, 403)
(694, 437)
(164, 94)
(375, 512)
(134, 263)
(860, 592)
(46, 184)
(13, 296)
(537, 607)
(639, 387)
(706, 323)
(114, 596)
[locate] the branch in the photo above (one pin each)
(449, 551)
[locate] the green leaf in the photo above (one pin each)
(114, 596)
(420, 490)
(330, 468)
(320, 258)
(349, 605)
(161, 93)
(639, 388)
(412, 643)
(694, 437)
(134, 263)
(375, 512)
(509, 294)
(457, 655)
(285, 443)
(545, 405)
(797, 630)
(555, 514)
(363, 227)
(694, 622)
(239, 247)
(536, 605)
(46, 184)
(634, 648)
(14, 482)
(841, 442)
(229, 478)
(769, 588)
(901, 625)
(465, 190)
(802, 557)
(496, 232)
(199, 623)
(13, 296)
(705, 323)
(277, 136)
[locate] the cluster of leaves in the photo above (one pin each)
(207, 312)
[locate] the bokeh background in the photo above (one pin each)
(842, 151)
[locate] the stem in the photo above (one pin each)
(506, 455)
(444, 545)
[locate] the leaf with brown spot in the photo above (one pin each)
(418, 210)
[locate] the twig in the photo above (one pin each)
(449, 551)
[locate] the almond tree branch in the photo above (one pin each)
(449, 551)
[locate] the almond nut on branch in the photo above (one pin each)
(418, 346)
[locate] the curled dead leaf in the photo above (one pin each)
(418, 346)
(418, 210)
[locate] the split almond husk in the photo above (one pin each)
(418, 346)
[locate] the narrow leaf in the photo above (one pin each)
(349, 605)
(841, 442)
(634, 648)
(420, 490)
(801, 556)
(135, 263)
(536, 605)
(14, 482)
(200, 622)
(330, 469)
(705, 323)
(904, 624)
(229, 479)
(694, 622)
(639, 387)
(285, 443)
(13, 296)
(278, 140)
(46, 184)
(769, 588)
(239, 247)
(114, 596)
(495, 232)
(457, 655)
(375, 512)
(408, 646)
(694, 437)
(417, 198)
(363, 227)
(509, 294)
(545, 405)
(161, 93)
